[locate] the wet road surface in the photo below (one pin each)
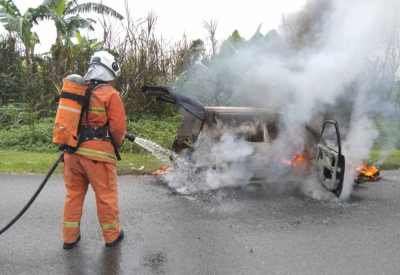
(235, 231)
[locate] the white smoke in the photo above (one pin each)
(359, 141)
(233, 153)
(213, 166)
(322, 47)
(337, 39)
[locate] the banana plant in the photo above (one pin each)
(66, 16)
(20, 24)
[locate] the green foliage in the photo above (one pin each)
(196, 51)
(31, 81)
(162, 132)
(11, 115)
(389, 133)
(385, 160)
(24, 138)
(10, 68)
(231, 45)
(65, 15)
(9, 86)
(21, 25)
(147, 60)
(8, 8)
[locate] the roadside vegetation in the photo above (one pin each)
(29, 81)
(27, 162)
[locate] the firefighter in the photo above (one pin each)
(93, 162)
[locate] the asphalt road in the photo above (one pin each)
(236, 231)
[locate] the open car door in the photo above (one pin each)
(166, 94)
(194, 116)
(330, 161)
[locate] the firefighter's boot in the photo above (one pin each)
(71, 245)
(114, 243)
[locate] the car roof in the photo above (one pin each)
(252, 112)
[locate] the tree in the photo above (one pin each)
(65, 15)
(68, 22)
(14, 22)
(212, 29)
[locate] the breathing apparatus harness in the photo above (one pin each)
(87, 132)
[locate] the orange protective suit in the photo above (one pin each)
(94, 163)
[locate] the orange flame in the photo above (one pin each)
(365, 172)
(163, 169)
(296, 160)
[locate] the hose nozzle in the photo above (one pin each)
(130, 137)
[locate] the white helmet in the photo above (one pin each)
(103, 66)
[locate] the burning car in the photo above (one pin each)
(253, 144)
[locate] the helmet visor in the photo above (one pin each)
(98, 72)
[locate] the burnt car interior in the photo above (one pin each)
(259, 127)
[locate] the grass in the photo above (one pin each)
(391, 160)
(23, 162)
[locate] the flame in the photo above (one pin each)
(367, 173)
(163, 169)
(296, 160)
(286, 161)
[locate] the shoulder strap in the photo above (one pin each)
(85, 109)
(88, 94)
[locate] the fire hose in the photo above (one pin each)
(48, 175)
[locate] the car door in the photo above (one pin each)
(194, 115)
(330, 161)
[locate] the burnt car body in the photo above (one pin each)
(270, 157)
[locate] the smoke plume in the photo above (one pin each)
(311, 69)
(330, 43)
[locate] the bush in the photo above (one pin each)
(389, 134)
(28, 138)
(162, 132)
